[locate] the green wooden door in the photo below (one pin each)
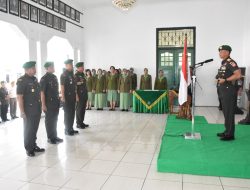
(170, 60)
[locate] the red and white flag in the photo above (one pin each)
(185, 76)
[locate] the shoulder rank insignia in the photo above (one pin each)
(233, 64)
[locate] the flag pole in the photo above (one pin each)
(193, 135)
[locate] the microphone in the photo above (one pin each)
(207, 61)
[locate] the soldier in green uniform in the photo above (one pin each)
(90, 86)
(125, 89)
(50, 102)
(229, 72)
(81, 95)
(99, 89)
(112, 87)
(68, 91)
(146, 81)
(28, 96)
(161, 81)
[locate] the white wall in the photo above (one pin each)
(124, 39)
(247, 48)
(35, 32)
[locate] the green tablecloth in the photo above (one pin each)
(150, 101)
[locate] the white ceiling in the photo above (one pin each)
(100, 3)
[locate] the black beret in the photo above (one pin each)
(225, 47)
(68, 61)
(79, 64)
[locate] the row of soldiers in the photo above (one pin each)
(34, 97)
(117, 86)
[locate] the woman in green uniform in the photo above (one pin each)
(90, 85)
(112, 87)
(105, 101)
(125, 88)
(94, 75)
(99, 89)
(146, 81)
(161, 81)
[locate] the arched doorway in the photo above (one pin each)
(14, 48)
(59, 49)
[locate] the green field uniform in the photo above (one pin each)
(134, 87)
(134, 81)
(112, 87)
(125, 86)
(105, 101)
(161, 83)
(146, 82)
(93, 94)
(90, 85)
(99, 87)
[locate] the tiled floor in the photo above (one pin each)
(118, 152)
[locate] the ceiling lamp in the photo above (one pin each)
(124, 4)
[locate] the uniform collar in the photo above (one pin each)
(48, 73)
(225, 60)
(28, 76)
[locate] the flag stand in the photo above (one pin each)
(193, 135)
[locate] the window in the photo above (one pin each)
(189, 59)
(175, 38)
(167, 59)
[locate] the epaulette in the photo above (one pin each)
(20, 79)
(231, 62)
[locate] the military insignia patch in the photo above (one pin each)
(223, 68)
(233, 64)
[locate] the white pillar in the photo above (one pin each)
(32, 50)
(76, 58)
(43, 58)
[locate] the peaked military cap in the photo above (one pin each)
(48, 64)
(68, 61)
(225, 47)
(29, 64)
(79, 64)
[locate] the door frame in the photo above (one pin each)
(173, 28)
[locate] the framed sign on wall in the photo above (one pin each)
(3, 6)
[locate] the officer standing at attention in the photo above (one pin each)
(68, 91)
(50, 102)
(81, 96)
(161, 81)
(28, 96)
(125, 89)
(146, 81)
(229, 72)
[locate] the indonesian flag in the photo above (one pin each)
(185, 76)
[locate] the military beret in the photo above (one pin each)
(225, 47)
(79, 64)
(68, 61)
(48, 64)
(29, 64)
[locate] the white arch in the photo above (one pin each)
(59, 49)
(14, 48)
